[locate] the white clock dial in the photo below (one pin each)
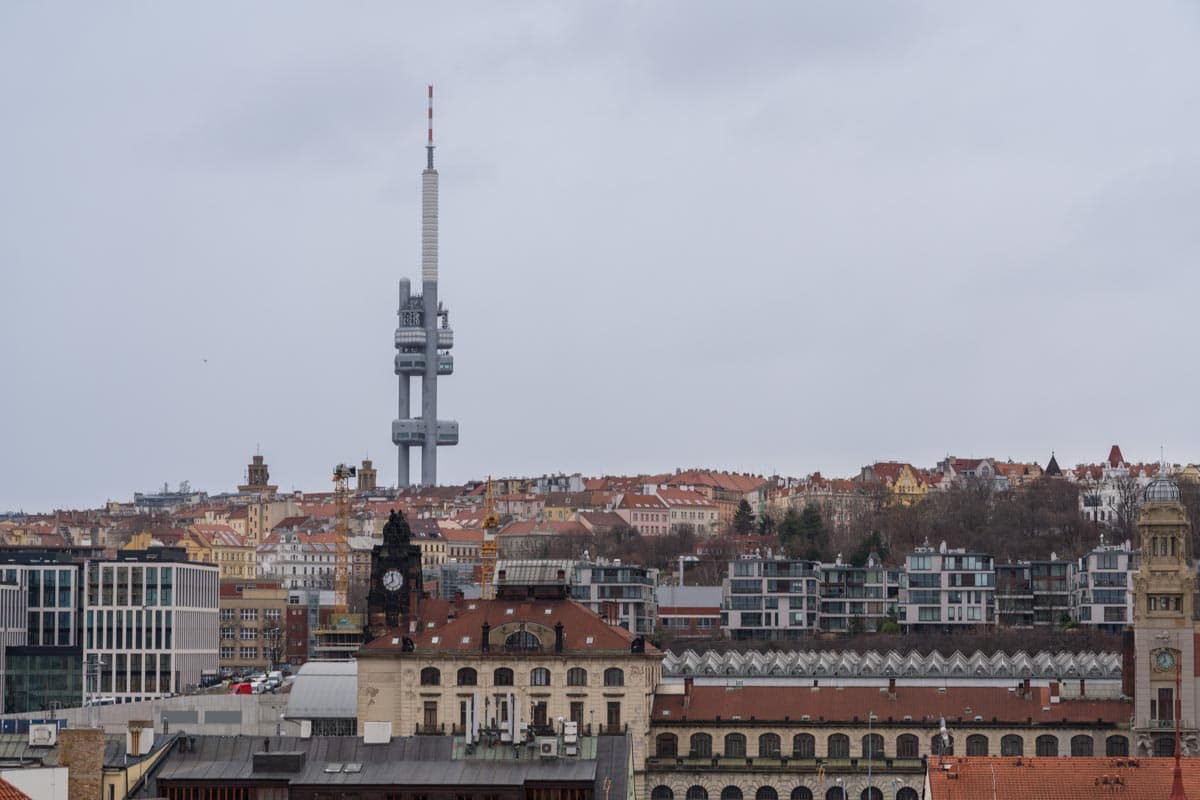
(393, 580)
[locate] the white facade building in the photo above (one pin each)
(151, 625)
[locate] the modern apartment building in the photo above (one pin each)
(947, 589)
(1103, 592)
(771, 599)
(621, 593)
(151, 626)
(857, 599)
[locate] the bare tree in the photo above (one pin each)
(1129, 502)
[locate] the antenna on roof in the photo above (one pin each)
(429, 141)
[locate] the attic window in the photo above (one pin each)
(470, 606)
(590, 640)
(436, 639)
(428, 624)
(547, 612)
(508, 612)
(466, 640)
(395, 640)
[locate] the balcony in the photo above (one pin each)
(431, 730)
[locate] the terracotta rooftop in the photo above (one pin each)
(10, 792)
(437, 631)
(1068, 778)
(922, 703)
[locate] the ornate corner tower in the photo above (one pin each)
(423, 341)
(1164, 625)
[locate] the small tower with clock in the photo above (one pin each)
(1164, 625)
(395, 594)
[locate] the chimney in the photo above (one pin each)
(1025, 688)
(558, 637)
(892, 688)
(484, 644)
(1054, 698)
(611, 613)
(1082, 688)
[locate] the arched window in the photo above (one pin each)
(1164, 746)
(577, 676)
(661, 792)
(701, 746)
(802, 793)
(872, 746)
(431, 676)
(838, 746)
(908, 746)
(1046, 745)
(614, 676)
(766, 793)
(502, 677)
(977, 745)
(1116, 746)
(804, 746)
(731, 793)
(1082, 745)
(666, 745)
(872, 793)
(768, 746)
(907, 793)
(941, 747)
(539, 676)
(467, 677)
(697, 793)
(735, 747)
(835, 793)
(522, 642)
(1012, 745)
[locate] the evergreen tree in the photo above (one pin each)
(743, 518)
(814, 539)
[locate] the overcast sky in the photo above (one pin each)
(775, 237)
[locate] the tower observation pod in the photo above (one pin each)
(423, 342)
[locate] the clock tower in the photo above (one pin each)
(396, 590)
(1164, 625)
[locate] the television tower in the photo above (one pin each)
(423, 341)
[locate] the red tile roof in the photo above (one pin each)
(642, 501)
(1063, 778)
(729, 481)
(463, 632)
(685, 497)
(1114, 457)
(922, 703)
(10, 792)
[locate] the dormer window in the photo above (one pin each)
(522, 642)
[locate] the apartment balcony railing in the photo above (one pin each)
(431, 730)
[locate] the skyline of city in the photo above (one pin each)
(861, 239)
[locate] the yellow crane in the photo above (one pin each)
(487, 548)
(341, 503)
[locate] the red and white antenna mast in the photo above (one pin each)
(429, 141)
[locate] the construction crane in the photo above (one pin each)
(487, 548)
(341, 503)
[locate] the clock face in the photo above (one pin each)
(1165, 660)
(393, 580)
